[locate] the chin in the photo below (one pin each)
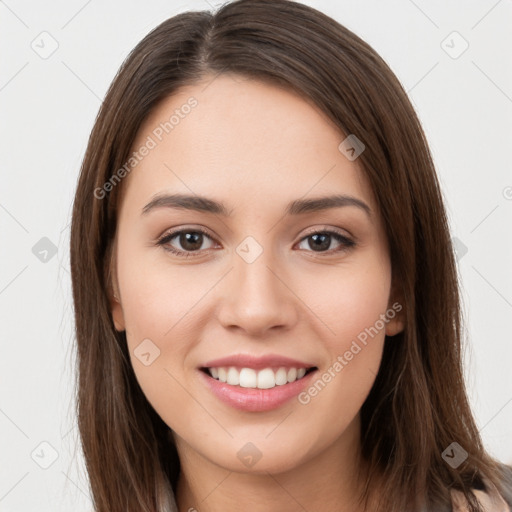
(260, 456)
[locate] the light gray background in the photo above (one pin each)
(47, 109)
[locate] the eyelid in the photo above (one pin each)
(175, 231)
(327, 229)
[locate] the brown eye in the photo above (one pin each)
(191, 241)
(185, 241)
(321, 241)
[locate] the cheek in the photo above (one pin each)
(355, 312)
(160, 307)
(350, 301)
(158, 310)
(157, 294)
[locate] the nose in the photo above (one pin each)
(256, 298)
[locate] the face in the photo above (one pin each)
(256, 279)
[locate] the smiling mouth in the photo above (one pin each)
(265, 378)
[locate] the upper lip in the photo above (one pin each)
(258, 363)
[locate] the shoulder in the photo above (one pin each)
(489, 501)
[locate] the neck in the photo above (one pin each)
(331, 481)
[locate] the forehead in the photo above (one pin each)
(244, 139)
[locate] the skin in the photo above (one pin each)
(255, 147)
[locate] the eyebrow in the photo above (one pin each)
(296, 207)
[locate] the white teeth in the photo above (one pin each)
(281, 376)
(233, 377)
(248, 378)
(262, 379)
(292, 374)
(222, 374)
(266, 379)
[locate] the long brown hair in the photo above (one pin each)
(418, 405)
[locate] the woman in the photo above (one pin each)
(266, 304)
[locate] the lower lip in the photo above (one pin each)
(252, 399)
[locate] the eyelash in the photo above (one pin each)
(346, 242)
